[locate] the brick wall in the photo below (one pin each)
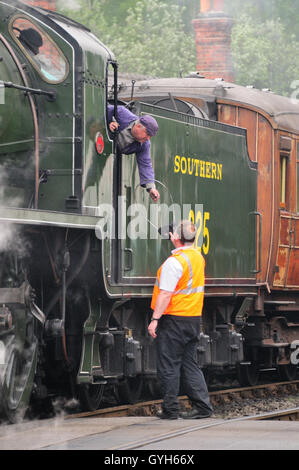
(213, 40)
(48, 4)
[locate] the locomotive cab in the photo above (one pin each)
(54, 149)
(53, 103)
(17, 131)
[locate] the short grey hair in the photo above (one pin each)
(186, 230)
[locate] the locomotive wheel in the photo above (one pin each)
(129, 390)
(287, 372)
(91, 396)
(14, 399)
(9, 395)
(248, 374)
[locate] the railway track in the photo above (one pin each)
(131, 429)
(281, 415)
(289, 415)
(217, 398)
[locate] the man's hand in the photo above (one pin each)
(154, 194)
(152, 328)
(174, 238)
(162, 302)
(113, 126)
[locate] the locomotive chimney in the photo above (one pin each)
(47, 4)
(213, 40)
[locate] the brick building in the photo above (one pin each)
(213, 40)
(48, 4)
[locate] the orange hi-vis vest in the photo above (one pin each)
(187, 299)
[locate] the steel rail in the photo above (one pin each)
(291, 414)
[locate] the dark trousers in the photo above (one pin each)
(176, 342)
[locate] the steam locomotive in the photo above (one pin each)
(79, 244)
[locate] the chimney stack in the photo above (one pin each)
(213, 40)
(47, 4)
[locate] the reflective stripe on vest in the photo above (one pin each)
(189, 289)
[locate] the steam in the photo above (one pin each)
(13, 240)
(11, 235)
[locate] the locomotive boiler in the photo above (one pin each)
(79, 243)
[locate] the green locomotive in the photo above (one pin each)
(75, 296)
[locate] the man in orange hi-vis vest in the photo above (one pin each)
(177, 303)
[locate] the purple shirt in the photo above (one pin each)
(142, 150)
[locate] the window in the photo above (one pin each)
(41, 50)
(285, 147)
(283, 180)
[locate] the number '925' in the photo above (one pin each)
(202, 239)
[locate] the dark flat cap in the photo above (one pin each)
(150, 124)
(32, 39)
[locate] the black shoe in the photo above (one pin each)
(163, 415)
(195, 414)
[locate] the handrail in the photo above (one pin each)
(259, 215)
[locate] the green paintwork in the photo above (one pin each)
(227, 194)
(16, 137)
(228, 229)
(225, 199)
(17, 127)
(97, 167)
(59, 151)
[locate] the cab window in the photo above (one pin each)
(43, 53)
